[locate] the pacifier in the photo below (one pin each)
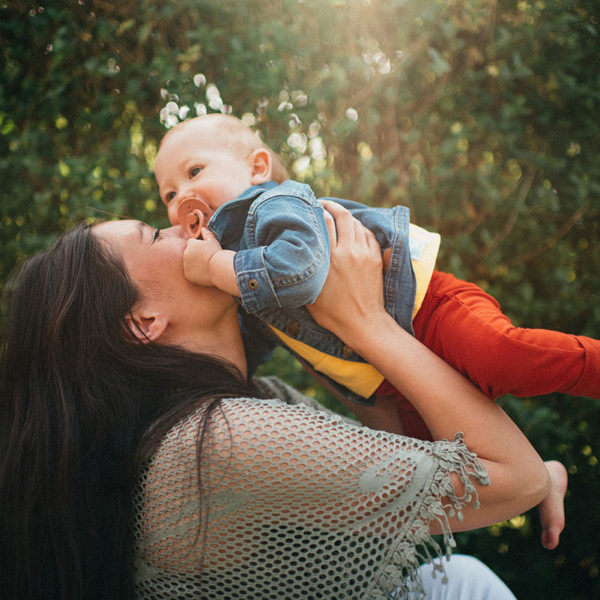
(192, 214)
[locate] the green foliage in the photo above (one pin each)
(481, 116)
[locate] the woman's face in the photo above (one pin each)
(154, 261)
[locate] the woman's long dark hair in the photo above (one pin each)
(78, 392)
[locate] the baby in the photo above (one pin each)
(266, 243)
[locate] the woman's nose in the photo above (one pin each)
(175, 231)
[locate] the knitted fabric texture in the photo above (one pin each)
(297, 503)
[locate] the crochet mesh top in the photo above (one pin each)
(296, 503)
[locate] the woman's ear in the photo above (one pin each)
(261, 164)
(146, 327)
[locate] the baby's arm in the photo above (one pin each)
(286, 264)
(206, 263)
(286, 260)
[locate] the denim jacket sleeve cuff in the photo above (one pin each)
(256, 288)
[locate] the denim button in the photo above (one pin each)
(293, 329)
(252, 284)
(348, 352)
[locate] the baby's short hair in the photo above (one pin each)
(240, 135)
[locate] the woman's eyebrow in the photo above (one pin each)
(141, 228)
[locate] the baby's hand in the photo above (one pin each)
(197, 257)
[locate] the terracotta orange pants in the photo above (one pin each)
(466, 327)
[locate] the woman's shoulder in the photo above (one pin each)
(274, 403)
(273, 387)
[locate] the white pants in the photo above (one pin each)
(468, 579)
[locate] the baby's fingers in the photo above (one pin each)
(207, 234)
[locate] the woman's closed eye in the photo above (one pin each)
(156, 235)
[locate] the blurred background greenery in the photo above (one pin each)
(480, 115)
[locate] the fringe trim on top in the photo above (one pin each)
(401, 576)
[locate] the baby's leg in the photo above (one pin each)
(466, 327)
(552, 510)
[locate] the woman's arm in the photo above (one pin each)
(446, 401)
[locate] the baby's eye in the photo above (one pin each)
(169, 197)
(194, 171)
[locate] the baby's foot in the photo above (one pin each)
(552, 509)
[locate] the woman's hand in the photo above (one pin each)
(353, 292)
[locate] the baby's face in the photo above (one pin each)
(192, 165)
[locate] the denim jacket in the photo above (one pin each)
(282, 259)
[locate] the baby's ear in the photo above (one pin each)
(261, 164)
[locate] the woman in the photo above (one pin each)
(114, 365)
